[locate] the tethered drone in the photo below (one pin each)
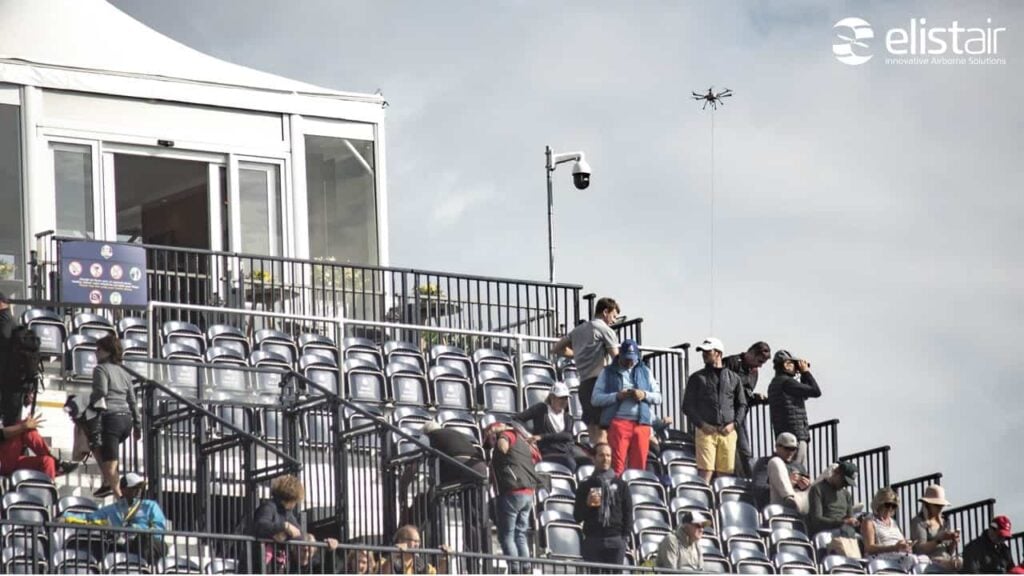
(712, 98)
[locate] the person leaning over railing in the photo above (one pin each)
(931, 533)
(746, 365)
(516, 480)
(275, 519)
(133, 511)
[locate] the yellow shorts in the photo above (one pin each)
(716, 452)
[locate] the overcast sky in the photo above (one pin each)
(867, 217)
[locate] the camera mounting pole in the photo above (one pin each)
(552, 161)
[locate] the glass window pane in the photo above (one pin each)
(342, 199)
(72, 170)
(260, 198)
(12, 250)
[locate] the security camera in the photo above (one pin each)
(581, 174)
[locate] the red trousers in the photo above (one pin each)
(12, 455)
(630, 442)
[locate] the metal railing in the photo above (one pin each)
(671, 369)
(324, 288)
(57, 547)
(759, 428)
(909, 491)
(823, 449)
(631, 328)
(874, 473)
(1016, 544)
(971, 519)
(206, 469)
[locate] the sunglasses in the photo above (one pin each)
(891, 505)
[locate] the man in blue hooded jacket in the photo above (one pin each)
(625, 391)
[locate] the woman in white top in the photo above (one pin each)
(883, 537)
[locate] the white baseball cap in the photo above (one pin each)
(131, 480)
(711, 343)
(695, 518)
(560, 390)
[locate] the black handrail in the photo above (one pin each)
(248, 436)
(334, 398)
(293, 260)
(971, 519)
(909, 491)
(874, 471)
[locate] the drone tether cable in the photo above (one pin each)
(714, 99)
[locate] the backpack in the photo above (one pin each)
(24, 363)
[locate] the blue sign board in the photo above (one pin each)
(102, 273)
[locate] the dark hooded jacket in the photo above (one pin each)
(786, 396)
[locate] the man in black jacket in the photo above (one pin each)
(715, 402)
(989, 553)
(746, 366)
(605, 508)
(786, 396)
(11, 398)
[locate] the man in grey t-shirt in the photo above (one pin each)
(592, 344)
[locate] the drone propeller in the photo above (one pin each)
(697, 96)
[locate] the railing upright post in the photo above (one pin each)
(201, 507)
(151, 435)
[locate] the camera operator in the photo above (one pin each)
(792, 386)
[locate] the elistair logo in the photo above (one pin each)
(851, 47)
(919, 43)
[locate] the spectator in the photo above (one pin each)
(990, 553)
(787, 486)
(408, 538)
(591, 344)
(681, 551)
(786, 397)
(605, 508)
(830, 504)
(746, 366)
(133, 511)
(932, 535)
(626, 391)
(457, 445)
(475, 532)
(552, 427)
(715, 403)
(361, 562)
(11, 399)
(14, 439)
(315, 559)
(114, 397)
(512, 466)
(883, 537)
(275, 519)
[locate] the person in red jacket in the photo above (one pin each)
(14, 439)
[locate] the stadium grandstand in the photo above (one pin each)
(267, 337)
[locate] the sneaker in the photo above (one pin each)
(66, 467)
(102, 492)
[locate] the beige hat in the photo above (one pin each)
(934, 494)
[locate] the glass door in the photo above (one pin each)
(258, 233)
(78, 205)
(169, 198)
